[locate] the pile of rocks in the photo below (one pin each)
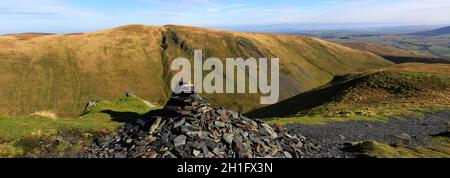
(188, 128)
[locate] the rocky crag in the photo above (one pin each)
(188, 128)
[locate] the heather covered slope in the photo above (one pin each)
(60, 73)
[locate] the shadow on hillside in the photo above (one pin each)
(443, 134)
(305, 101)
(399, 60)
(123, 117)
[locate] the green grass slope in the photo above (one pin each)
(43, 135)
(439, 148)
(406, 89)
(60, 73)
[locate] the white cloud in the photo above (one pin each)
(43, 8)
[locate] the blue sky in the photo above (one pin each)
(66, 16)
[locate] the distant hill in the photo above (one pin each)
(395, 55)
(402, 88)
(60, 73)
(437, 32)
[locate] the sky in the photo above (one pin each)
(70, 16)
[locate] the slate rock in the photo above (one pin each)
(188, 128)
(179, 140)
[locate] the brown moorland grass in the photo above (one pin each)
(61, 73)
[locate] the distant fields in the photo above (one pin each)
(438, 46)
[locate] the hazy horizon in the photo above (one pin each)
(70, 16)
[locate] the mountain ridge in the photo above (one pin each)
(436, 32)
(62, 72)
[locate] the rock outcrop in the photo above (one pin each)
(188, 128)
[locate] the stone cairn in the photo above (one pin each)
(188, 128)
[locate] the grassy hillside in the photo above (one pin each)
(439, 148)
(60, 73)
(44, 135)
(406, 89)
